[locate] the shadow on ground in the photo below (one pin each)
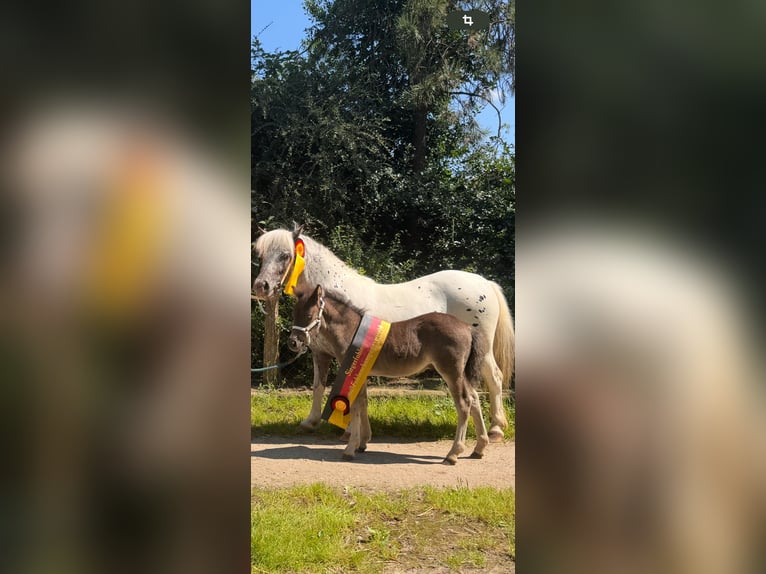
(330, 451)
(394, 431)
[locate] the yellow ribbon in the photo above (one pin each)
(300, 263)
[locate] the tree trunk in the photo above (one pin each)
(271, 340)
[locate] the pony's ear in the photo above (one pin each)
(297, 230)
(316, 296)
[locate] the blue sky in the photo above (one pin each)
(286, 21)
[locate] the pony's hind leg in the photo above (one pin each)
(321, 367)
(482, 439)
(463, 406)
(493, 378)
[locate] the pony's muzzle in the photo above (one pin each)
(294, 343)
(262, 288)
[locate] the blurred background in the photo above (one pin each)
(124, 277)
(639, 281)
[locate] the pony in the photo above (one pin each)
(453, 348)
(470, 298)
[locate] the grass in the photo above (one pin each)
(403, 415)
(317, 528)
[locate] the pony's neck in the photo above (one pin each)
(341, 323)
(324, 268)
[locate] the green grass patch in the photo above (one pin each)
(317, 528)
(298, 529)
(405, 415)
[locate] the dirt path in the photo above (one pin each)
(386, 465)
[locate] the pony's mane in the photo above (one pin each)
(321, 264)
(282, 240)
(279, 239)
(342, 299)
(335, 297)
(315, 251)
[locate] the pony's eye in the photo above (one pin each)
(284, 256)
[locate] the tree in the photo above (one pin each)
(400, 60)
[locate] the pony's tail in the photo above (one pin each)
(476, 357)
(503, 347)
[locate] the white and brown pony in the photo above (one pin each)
(327, 324)
(470, 298)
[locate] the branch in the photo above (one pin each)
(266, 27)
(490, 102)
(310, 45)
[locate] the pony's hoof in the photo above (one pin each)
(361, 449)
(450, 460)
(347, 457)
(309, 426)
(475, 454)
(496, 435)
(345, 437)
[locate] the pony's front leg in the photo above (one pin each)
(355, 427)
(365, 431)
(321, 367)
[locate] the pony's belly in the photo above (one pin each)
(399, 367)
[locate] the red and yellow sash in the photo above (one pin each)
(356, 366)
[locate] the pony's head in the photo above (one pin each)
(307, 316)
(276, 250)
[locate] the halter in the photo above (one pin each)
(315, 323)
